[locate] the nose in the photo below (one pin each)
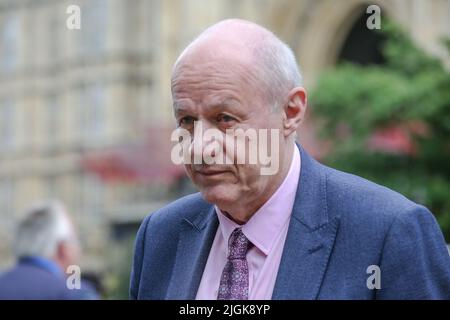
(204, 135)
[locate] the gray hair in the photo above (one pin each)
(280, 72)
(44, 226)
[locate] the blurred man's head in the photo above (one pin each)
(47, 231)
(238, 75)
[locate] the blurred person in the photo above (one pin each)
(45, 245)
(306, 232)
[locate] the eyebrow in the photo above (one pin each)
(180, 108)
(228, 103)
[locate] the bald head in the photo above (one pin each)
(269, 63)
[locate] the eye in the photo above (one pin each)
(225, 118)
(186, 121)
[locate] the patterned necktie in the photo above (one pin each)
(234, 280)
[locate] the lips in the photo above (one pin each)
(211, 172)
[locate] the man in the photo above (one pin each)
(305, 232)
(45, 246)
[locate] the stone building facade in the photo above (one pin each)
(65, 93)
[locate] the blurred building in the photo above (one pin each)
(85, 114)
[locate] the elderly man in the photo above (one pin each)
(45, 246)
(304, 232)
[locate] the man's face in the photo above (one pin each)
(68, 250)
(223, 95)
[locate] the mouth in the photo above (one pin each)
(211, 173)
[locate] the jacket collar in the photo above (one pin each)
(310, 238)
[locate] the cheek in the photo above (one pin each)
(248, 175)
(73, 253)
(188, 169)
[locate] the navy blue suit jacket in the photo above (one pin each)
(340, 225)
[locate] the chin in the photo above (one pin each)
(222, 195)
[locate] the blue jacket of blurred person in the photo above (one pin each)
(45, 246)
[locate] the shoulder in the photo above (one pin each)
(169, 216)
(157, 238)
(382, 227)
(361, 196)
(164, 224)
(23, 273)
(30, 282)
(367, 205)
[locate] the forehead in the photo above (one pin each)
(216, 79)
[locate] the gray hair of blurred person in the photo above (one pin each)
(277, 65)
(43, 228)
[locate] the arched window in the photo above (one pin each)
(362, 45)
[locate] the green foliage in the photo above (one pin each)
(410, 91)
(117, 277)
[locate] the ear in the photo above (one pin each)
(294, 110)
(61, 250)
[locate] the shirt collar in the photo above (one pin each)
(43, 263)
(266, 224)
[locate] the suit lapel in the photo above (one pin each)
(310, 237)
(195, 242)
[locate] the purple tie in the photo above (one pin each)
(234, 280)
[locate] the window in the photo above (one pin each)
(51, 187)
(92, 39)
(93, 113)
(362, 46)
(54, 28)
(7, 124)
(9, 49)
(53, 120)
(7, 199)
(92, 194)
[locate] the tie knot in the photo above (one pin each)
(238, 245)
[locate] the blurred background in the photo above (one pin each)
(85, 115)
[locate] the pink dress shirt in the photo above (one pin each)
(266, 229)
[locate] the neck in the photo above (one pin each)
(242, 213)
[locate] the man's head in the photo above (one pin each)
(238, 75)
(47, 231)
